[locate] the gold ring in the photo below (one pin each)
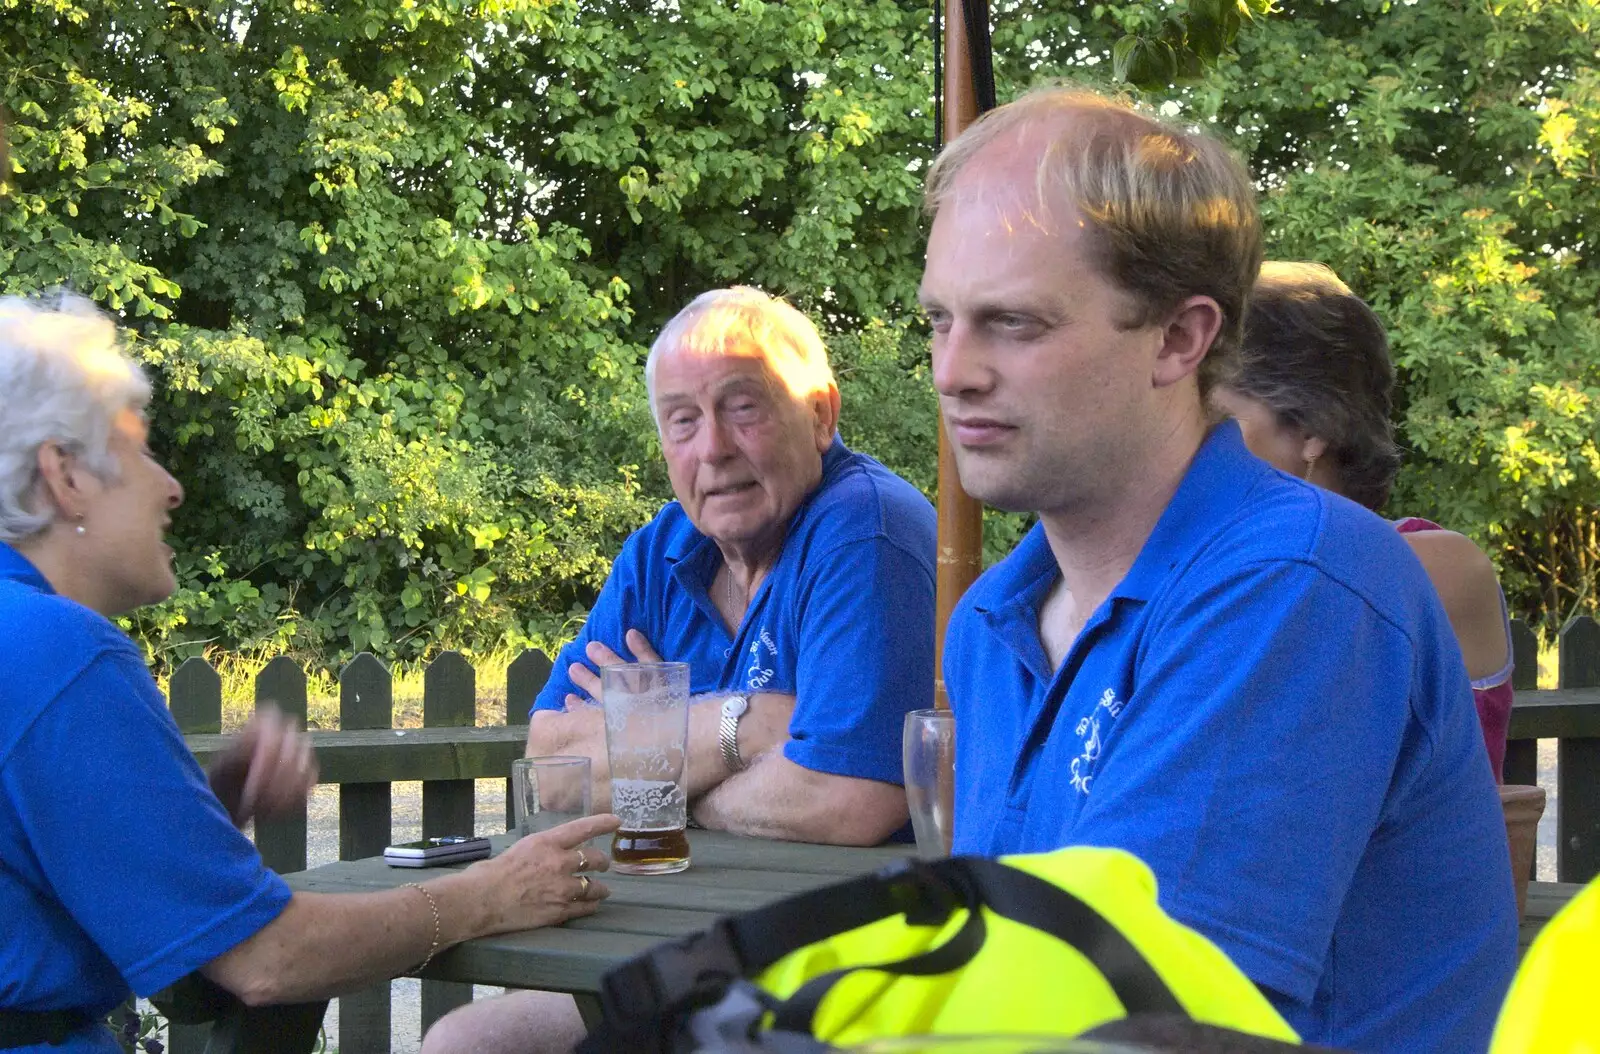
(583, 888)
(583, 859)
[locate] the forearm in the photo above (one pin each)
(325, 944)
(580, 732)
(775, 798)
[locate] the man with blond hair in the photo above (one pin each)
(1243, 680)
(793, 575)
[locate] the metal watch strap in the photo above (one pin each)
(728, 736)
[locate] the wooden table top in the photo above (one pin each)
(730, 874)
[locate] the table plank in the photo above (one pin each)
(730, 874)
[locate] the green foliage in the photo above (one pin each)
(1442, 159)
(394, 262)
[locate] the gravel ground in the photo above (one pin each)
(405, 1021)
(322, 847)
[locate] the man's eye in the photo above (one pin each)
(1018, 325)
(937, 318)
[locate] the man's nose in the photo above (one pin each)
(959, 364)
(716, 440)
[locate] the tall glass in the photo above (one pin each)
(929, 758)
(647, 734)
(549, 791)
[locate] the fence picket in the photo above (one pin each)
(1522, 755)
(525, 679)
(1578, 763)
(282, 841)
(366, 700)
(194, 695)
(449, 697)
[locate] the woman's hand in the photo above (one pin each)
(269, 770)
(544, 879)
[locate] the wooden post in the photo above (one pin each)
(282, 841)
(525, 679)
(1578, 762)
(960, 546)
(449, 697)
(195, 699)
(366, 700)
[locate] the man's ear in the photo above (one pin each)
(825, 416)
(1186, 337)
(61, 479)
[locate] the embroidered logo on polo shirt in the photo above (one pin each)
(1089, 730)
(759, 674)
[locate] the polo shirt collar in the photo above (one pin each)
(1218, 478)
(1222, 473)
(16, 567)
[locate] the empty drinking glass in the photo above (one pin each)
(548, 791)
(929, 757)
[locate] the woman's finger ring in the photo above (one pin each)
(583, 859)
(583, 888)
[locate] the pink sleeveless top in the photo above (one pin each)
(1492, 694)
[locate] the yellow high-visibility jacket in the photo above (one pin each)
(1554, 1005)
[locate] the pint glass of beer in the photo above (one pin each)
(647, 737)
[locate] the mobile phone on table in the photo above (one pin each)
(437, 852)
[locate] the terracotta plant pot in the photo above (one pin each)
(1523, 806)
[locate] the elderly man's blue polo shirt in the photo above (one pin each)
(843, 622)
(119, 868)
(1272, 712)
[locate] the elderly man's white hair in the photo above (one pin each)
(742, 320)
(63, 379)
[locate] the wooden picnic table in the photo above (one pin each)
(730, 874)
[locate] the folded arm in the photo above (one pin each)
(775, 798)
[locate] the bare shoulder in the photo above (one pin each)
(1458, 569)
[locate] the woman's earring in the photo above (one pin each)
(1311, 466)
(80, 530)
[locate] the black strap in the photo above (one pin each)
(27, 1028)
(694, 971)
(1023, 898)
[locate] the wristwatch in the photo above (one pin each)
(733, 707)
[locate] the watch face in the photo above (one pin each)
(735, 706)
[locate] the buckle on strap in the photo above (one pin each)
(687, 972)
(925, 893)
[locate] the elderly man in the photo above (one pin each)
(794, 576)
(1243, 680)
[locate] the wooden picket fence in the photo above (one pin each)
(364, 757)
(367, 754)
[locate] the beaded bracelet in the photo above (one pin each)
(433, 906)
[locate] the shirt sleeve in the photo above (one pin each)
(1275, 704)
(608, 622)
(127, 833)
(866, 659)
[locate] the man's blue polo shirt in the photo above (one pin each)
(843, 622)
(1272, 712)
(119, 868)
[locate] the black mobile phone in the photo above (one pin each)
(436, 852)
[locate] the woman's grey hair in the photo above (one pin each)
(1317, 356)
(743, 319)
(63, 379)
